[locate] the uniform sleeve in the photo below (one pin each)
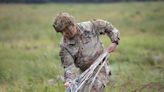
(105, 27)
(68, 64)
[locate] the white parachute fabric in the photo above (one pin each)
(90, 73)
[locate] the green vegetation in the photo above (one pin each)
(29, 46)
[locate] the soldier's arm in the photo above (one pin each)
(68, 64)
(105, 27)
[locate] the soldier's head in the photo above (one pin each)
(64, 23)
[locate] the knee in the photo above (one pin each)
(98, 86)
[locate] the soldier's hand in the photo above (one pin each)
(111, 47)
(67, 84)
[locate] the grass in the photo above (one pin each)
(29, 46)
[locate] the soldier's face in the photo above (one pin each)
(69, 32)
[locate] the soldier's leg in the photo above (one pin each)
(85, 87)
(98, 86)
(101, 80)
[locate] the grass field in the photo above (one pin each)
(29, 47)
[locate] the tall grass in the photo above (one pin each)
(29, 47)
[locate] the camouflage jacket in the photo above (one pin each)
(83, 49)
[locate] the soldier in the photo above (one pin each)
(81, 46)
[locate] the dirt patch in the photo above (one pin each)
(151, 86)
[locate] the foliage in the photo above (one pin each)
(29, 47)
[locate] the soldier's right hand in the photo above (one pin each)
(67, 84)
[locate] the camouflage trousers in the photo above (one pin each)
(100, 82)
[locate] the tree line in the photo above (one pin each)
(67, 1)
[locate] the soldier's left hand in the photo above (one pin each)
(111, 47)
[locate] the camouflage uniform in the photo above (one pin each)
(79, 52)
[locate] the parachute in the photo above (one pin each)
(89, 74)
